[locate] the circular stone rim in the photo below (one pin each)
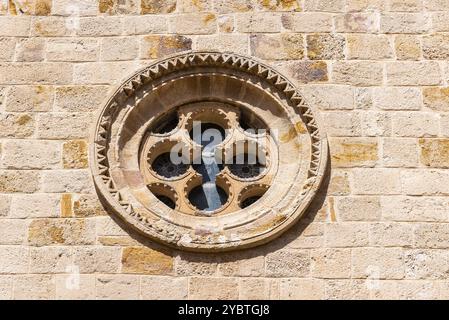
(104, 183)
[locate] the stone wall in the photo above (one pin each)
(375, 71)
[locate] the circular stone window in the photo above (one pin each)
(208, 152)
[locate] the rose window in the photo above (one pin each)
(208, 151)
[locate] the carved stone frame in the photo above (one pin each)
(210, 233)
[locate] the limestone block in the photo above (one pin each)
(117, 287)
(375, 181)
(72, 49)
(159, 46)
(61, 181)
(385, 263)
(408, 47)
(369, 47)
(346, 234)
(330, 263)
(35, 206)
(43, 232)
(358, 208)
(397, 98)
(164, 288)
(357, 73)
(303, 289)
(193, 23)
(23, 181)
(118, 48)
(206, 288)
(63, 125)
(31, 154)
(34, 287)
(30, 99)
(307, 22)
(414, 209)
(325, 47)
(404, 23)
(278, 46)
(288, 263)
(415, 124)
(400, 152)
(142, 260)
(353, 152)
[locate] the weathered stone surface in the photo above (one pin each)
(417, 124)
(357, 22)
(30, 99)
(136, 25)
(159, 46)
(434, 152)
(240, 265)
(194, 264)
(143, 260)
(353, 152)
(74, 154)
(72, 50)
(344, 235)
(369, 47)
(325, 5)
(7, 46)
(435, 47)
(31, 154)
(52, 26)
(325, 47)
(86, 205)
(13, 231)
(357, 73)
(386, 263)
(400, 152)
(440, 22)
(119, 48)
(60, 181)
(223, 42)
(397, 98)
(5, 203)
(14, 26)
(43, 232)
(307, 22)
(64, 125)
(376, 181)
(329, 97)
(330, 263)
(358, 208)
(193, 23)
(288, 263)
(307, 71)
(408, 73)
(35, 206)
(431, 235)
(278, 47)
(258, 289)
(19, 181)
(14, 259)
(414, 209)
(75, 287)
(113, 7)
(346, 124)
(213, 288)
(157, 6)
(391, 235)
(408, 47)
(34, 287)
(404, 23)
(436, 98)
(118, 287)
(346, 289)
(339, 183)
(164, 288)
(302, 289)
(425, 182)
(79, 98)
(99, 26)
(258, 22)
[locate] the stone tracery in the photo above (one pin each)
(270, 196)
